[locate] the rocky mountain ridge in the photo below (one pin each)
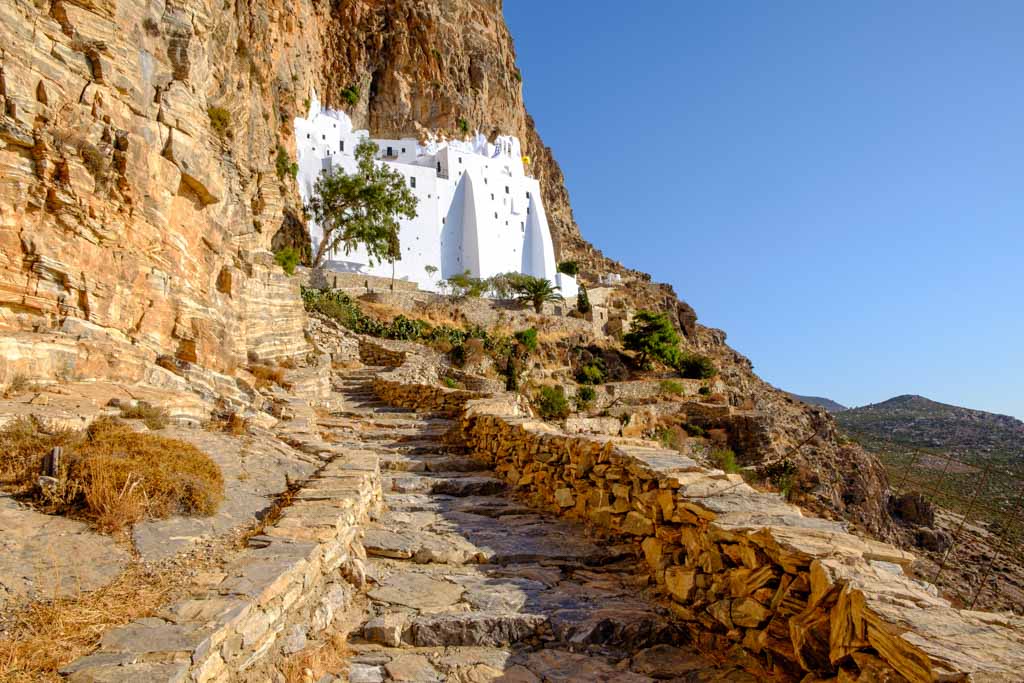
(918, 421)
(822, 402)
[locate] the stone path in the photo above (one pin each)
(467, 584)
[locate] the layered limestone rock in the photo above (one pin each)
(144, 172)
(121, 202)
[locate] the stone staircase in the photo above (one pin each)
(467, 584)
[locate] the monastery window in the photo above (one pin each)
(323, 137)
(412, 181)
(495, 214)
(460, 160)
(506, 189)
(391, 152)
(403, 150)
(492, 196)
(522, 226)
(527, 195)
(443, 219)
(307, 136)
(439, 167)
(342, 145)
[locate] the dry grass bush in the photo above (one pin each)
(233, 424)
(20, 384)
(151, 416)
(327, 657)
(46, 635)
(267, 376)
(111, 474)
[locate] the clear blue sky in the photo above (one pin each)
(838, 185)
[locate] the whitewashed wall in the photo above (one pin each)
(477, 210)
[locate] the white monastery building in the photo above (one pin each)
(478, 211)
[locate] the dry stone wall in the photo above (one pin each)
(288, 585)
(734, 564)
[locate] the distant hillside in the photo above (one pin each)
(919, 422)
(954, 455)
(826, 403)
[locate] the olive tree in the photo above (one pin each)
(361, 208)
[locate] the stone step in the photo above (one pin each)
(441, 463)
(450, 486)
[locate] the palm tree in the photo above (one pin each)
(535, 290)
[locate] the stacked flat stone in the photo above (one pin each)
(737, 565)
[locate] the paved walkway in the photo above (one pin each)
(467, 584)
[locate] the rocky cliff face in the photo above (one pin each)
(144, 148)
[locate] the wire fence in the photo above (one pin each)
(979, 559)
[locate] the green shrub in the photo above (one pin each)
(704, 391)
(725, 460)
(583, 300)
(585, 397)
(527, 339)
(287, 258)
(570, 268)
(551, 403)
(592, 373)
(351, 95)
(220, 121)
(464, 125)
(450, 383)
(695, 366)
(694, 430)
(285, 166)
(672, 387)
(652, 337)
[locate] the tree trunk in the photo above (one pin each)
(392, 276)
(319, 255)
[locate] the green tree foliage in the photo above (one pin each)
(695, 366)
(585, 397)
(527, 339)
(551, 403)
(535, 291)
(465, 285)
(464, 126)
(351, 95)
(287, 258)
(652, 337)
(285, 166)
(583, 300)
(570, 268)
(361, 208)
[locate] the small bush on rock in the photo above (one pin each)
(585, 397)
(551, 403)
(220, 121)
(671, 387)
(112, 474)
(287, 258)
(695, 366)
(725, 460)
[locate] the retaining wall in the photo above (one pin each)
(286, 586)
(734, 564)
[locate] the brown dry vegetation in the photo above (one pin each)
(46, 635)
(152, 417)
(267, 376)
(111, 474)
(326, 657)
